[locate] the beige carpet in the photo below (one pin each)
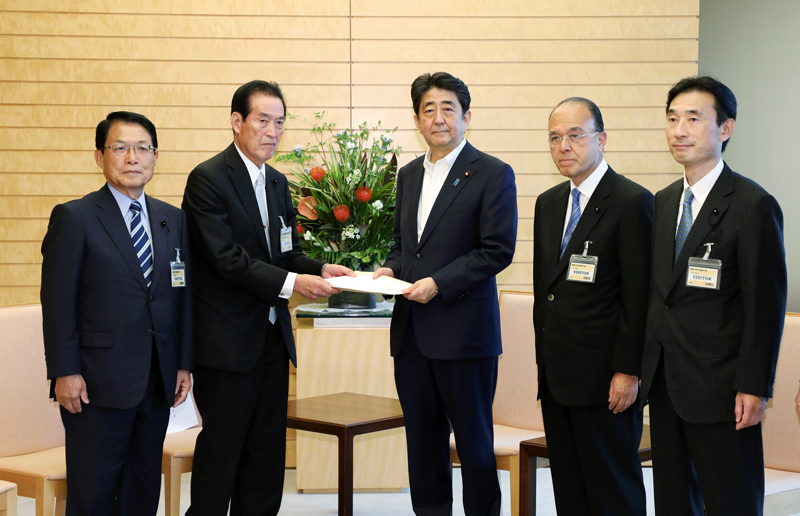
(398, 504)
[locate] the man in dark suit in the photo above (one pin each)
(117, 325)
(455, 230)
(591, 251)
(238, 209)
(715, 317)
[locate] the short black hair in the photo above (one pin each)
(241, 98)
(724, 99)
(122, 117)
(440, 81)
(597, 117)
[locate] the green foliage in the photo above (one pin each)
(351, 164)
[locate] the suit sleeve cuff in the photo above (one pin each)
(288, 286)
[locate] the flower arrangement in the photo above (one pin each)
(345, 194)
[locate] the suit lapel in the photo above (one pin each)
(244, 188)
(159, 232)
(415, 175)
(111, 219)
(275, 200)
(595, 208)
(555, 228)
(714, 207)
(467, 161)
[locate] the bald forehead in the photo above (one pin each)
(575, 113)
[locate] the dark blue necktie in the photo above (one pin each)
(141, 243)
(573, 220)
(686, 222)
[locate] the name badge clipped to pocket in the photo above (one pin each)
(286, 237)
(704, 273)
(178, 270)
(582, 267)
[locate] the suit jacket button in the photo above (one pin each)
(666, 306)
(149, 332)
(151, 299)
(550, 297)
(416, 256)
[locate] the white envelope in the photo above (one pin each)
(363, 282)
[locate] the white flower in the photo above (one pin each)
(387, 138)
(340, 134)
(351, 145)
(353, 178)
(351, 231)
(378, 205)
(298, 149)
(328, 249)
(307, 235)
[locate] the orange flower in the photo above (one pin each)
(364, 194)
(341, 212)
(300, 229)
(317, 173)
(306, 208)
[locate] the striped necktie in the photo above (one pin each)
(686, 222)
(573, 220)
(141, 243)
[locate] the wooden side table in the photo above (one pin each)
(345, 415)
(532, 450)
(347, 359)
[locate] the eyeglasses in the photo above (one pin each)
(140, 150)
(555, 140)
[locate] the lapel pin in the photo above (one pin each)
(466, 174)
(163, 222)
(597, 209)
(456, 182)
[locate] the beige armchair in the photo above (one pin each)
(31, 435)
(8, 499)
(781, 429)
(516, 411)
(176, 459)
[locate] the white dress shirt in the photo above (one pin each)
(432, 181)
(254, 171)
(586, 189)
(124, 202)
(700, 191)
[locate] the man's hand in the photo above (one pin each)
(622, 392)
(422, 291)
(182, 387)
(312, 287)
(749, 410)
(333, 270)
(383, 271)
(70, 392)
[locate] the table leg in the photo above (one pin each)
(346, 474)
(527, 484)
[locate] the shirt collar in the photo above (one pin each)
(702, 188)
(450, 158)
(252, 169)
(589, 184)
(124, 202)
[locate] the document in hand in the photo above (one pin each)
(363, 282)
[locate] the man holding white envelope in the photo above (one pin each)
(455, 230)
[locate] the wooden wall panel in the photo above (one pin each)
(65, 65)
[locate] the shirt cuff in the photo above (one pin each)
(288, 286)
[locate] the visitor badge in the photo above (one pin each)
(582, 267)
(704, 273)
(178, 270)
(286, 237)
